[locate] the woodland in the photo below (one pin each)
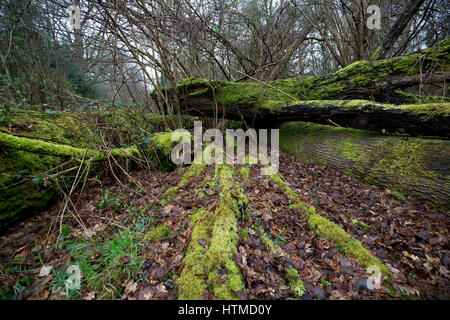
(94, 207)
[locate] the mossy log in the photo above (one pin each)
(27, 181)
(59, 150)
(418, 167)
(302, 99)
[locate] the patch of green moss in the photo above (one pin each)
(202, 190)
(192, 281)
(429, 110)
(19, 200)
(195, 170)
(273, 247)
(158, 233)
(365, 226)
(59, 150)
(245, 173)
(296, 285)
(283, 186)
(163, 141)
(402, 161)
(348, 245)
(217, 266)
(348, 150)
(325, 228)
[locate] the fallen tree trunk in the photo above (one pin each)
(37, 160)
(411, 166)
(301, 99)
(59, 150)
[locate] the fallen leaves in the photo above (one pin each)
(411, 239)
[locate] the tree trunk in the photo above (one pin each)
(28, 165)
(411, 166)
(290, 99)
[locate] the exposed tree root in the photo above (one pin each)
(209, 260)
(328, 229)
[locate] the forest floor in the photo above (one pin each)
(132, 246)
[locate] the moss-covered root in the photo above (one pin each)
(209, 259)
(330, 230)
(344, 241)
(195, 170)
(162, 141)
(245, 173)
(296, 285)
(192, 281)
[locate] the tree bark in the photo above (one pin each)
(411, 166)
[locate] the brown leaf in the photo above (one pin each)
(125, 260)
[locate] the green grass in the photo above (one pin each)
(101, 265)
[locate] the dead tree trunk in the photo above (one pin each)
(297, 99)
(410, 166)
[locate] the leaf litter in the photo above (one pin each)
(410, 238)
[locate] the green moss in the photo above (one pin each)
(428, 110)
(325, 228)
(215, 265)
(245, 173)
(348, 150)
(273, 247)
(192, 281)
(63, 128)
(283, 186)
(297, 286)
(194, 170)
(348, 245)
(202, 190)
(158, 233)
(59, 150)
(365, 226)
(164, 141)
(402, 161)
(19, 200)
